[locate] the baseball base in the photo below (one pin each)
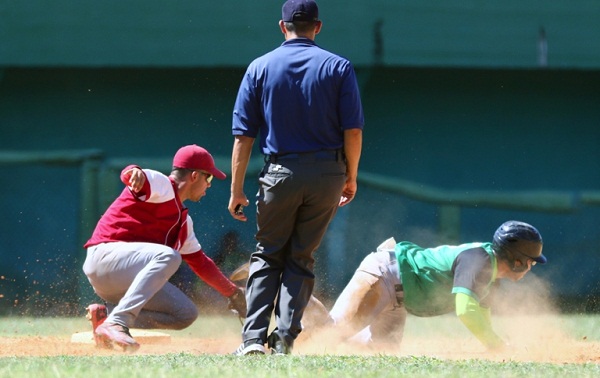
(142, 336)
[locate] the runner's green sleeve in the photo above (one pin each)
(478, 320)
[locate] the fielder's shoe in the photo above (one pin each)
(250, 348)
(96, 313)
(110, 334)
(278, 346)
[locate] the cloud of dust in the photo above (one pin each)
(523, 314)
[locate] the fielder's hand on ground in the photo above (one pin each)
(237, 303)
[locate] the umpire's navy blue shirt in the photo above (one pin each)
(299, 98)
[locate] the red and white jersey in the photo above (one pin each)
(154, 215)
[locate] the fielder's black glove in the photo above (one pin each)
(237, 303)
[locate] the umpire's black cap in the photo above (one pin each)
(300, 10)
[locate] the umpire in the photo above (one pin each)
(304, 103)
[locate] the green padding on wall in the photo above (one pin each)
(192, 33)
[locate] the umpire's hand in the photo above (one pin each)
(237, 303)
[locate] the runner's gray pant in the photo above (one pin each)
(370, 308)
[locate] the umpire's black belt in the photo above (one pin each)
(322, 155)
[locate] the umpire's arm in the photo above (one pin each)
(352, 149)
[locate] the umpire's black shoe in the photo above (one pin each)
(249, 347)
(278, 346)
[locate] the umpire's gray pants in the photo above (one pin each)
(297, 198)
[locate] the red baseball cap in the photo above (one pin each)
(196, 157)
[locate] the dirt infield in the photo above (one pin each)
(549, 338)
(551, 351)
(571, 352)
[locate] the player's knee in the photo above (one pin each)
(170, 258)
(186, 318)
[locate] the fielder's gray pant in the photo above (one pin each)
(298, 197)
(369, 309)
(132, 279)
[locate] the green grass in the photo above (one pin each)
(193, 365)
(187, 365)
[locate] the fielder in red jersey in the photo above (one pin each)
(139, 243)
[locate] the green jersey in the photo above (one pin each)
(432, 276)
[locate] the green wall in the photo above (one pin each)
(456, 101)
(457, 130)
(189, 33)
